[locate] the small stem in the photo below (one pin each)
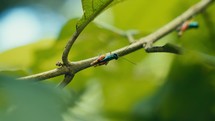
(68, 47)
(110, 28)
(130, 35)
(67, 79)
(169, 48)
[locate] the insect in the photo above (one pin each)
(104, 59)
(189, 24)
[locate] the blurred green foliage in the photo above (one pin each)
(27, 101)
(160, 87)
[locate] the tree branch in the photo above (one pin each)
(46, 75)
(145, 42)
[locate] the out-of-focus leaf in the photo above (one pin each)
(188, 94)
(145, 15)
(21, 57)
(14, 72)
(89, 105)
(30, 101)
(209, 59)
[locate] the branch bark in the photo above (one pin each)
(46, 75)
(145, 42)
(68, 47)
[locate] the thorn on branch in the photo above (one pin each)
(67, 79)
(169, 48)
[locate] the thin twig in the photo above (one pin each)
(67, 79)
(128, 34)
(68, 47)
(144, 42)
(168, 48)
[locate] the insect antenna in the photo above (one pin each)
(128, 61)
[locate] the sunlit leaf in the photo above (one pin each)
(91, 9)
(145, 15)
(21, 57)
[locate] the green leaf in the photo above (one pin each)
(189, 90)
(91, 9)
(144, 15)
(89, 104)
(30, 101)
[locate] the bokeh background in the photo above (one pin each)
(157, 87)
